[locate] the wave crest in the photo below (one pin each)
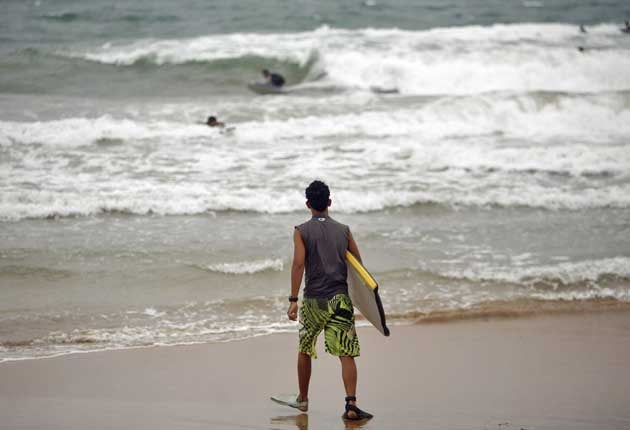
(247, 267)
(438, 61)
(555, 276)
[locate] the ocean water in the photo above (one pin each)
(481, 160)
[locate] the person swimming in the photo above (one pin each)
(274, 79)
(627, 28)
(213, 122)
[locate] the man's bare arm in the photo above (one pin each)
(297, 271)
(297, 268)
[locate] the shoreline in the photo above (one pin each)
(488, 311)
(546, 372)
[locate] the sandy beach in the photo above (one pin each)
(560, 372)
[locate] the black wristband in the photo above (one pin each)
(293, 299)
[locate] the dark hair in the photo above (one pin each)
(211, 119)
(317, 195)
(265, 72)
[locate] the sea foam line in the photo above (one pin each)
(565, 273)
(248, 267)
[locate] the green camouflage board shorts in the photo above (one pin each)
(336, 318)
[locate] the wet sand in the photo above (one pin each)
(561, 372)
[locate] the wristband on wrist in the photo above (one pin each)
(293, 299)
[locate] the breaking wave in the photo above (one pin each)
(521, 57)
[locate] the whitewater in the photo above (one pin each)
(507, 110)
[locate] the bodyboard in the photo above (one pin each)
(363, 291)
(266, 88)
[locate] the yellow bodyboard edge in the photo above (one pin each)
(365, 275)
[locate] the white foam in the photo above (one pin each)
(248, 267)
(536, 116)
(181, 326)
(152, 312)
(434, 153)
(531, 116)
(565, 273)
(21, 204)
(86, 131)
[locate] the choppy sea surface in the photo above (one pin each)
(480, 157)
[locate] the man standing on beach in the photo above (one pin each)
(320, 245)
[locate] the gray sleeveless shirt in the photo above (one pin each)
(326, 242)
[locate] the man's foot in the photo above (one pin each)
(353, 413)
(291, 400)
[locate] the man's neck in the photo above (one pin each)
(318, 214)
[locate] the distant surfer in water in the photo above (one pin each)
(320, 245)
(275, 79)
(213, 122)
(626, 29)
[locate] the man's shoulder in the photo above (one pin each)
(328, 220)
(303, 228)
(338, 224)
(305, 223)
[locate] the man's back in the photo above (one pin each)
(326, 243)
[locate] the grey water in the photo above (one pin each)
(479, 157)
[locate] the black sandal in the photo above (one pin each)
(360, 415)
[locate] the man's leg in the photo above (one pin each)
(304, 375)
(349, 376)
(341, 341)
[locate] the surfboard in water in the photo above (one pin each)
(266, 88)
(363, 291)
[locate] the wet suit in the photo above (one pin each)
(276, 80)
